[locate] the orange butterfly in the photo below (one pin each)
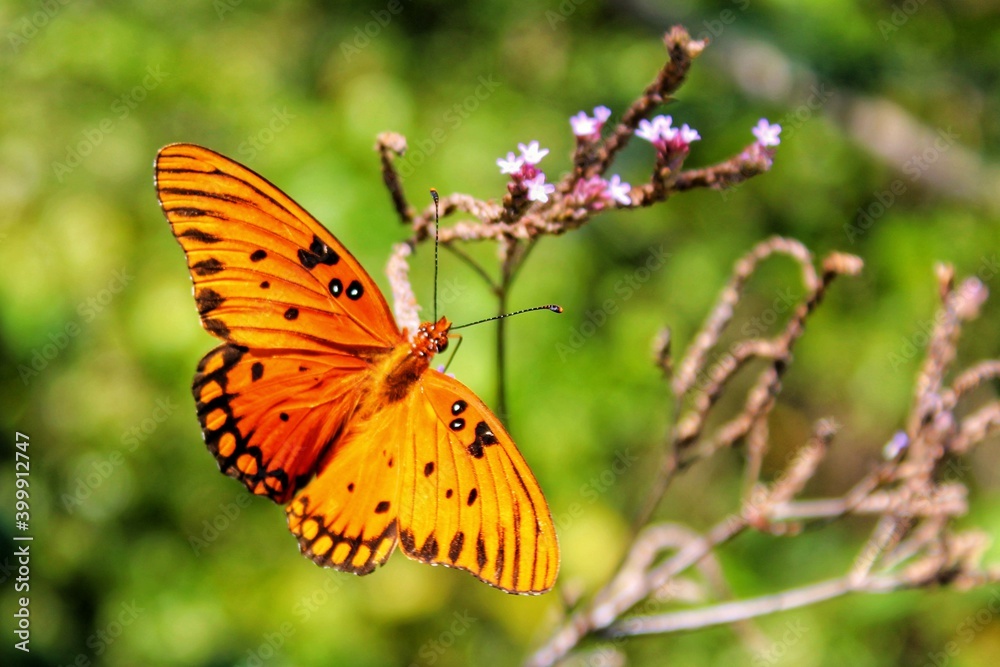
(317, 399)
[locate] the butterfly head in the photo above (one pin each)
(431, 338)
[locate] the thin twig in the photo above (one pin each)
(730, 612)
(388, 145)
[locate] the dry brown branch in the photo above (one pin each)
(723, 311)
(910, 497)
(912, 543)
(391, 144)
(681, 51)
(518, 217)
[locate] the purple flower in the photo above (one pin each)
(511, 165)
(687, 134)
(618, 190)
(654, 131)
(767, 134)
(531, 153)
(590, 193)
(583, 125)
(596, 194)
(590, 187)
(538, 189)
(586, 127)
(527, 180)
(667, 139)
(897, 443)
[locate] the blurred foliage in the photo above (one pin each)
(96, 301)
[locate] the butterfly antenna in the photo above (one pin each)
(554, 308)
(434, 196)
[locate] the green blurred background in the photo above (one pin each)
(96, 296)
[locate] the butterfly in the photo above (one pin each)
(316, 399)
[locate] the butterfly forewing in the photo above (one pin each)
(266, 273)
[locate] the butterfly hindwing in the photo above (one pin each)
(468, 499)
(346, 517)
(266, 273)
(269, 419)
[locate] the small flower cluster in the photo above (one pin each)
(525, 176)
(595, 193)
(588, 129)
(768, 136)
(667, 140)
(672, 144)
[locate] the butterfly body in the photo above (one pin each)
(316, 399)
(396, 374)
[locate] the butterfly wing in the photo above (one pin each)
(437, 472)
(301, 319)
(269, 419)
(467, 497)
(267, 275)
(346, 517)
